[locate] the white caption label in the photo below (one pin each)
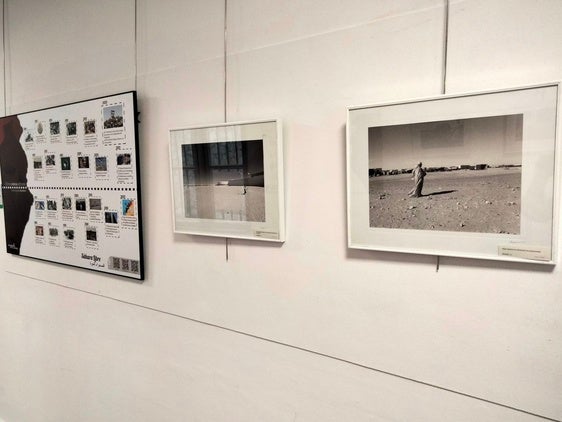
(536, 253)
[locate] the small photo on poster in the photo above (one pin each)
(68, 237)
(70, 128)
(89, 127)
(67, 203)
(95, 204)
(53, 236)
(51, 205)
(39, 205)
(80, 204)
(128, 207)
(50, 160)
(101, 164)
(124, 159)
(69, 234)
(111, 217)
(54, 128)
(39, 234)
(65, 163)
(40, 133)
(83, 162)
(91, 234)
(113, 117)
(28, 138)
(37, 162)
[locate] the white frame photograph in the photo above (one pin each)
(490, 164)
(227, 180)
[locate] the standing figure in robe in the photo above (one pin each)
(417, 174)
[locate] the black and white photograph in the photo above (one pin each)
(101, 163)
(80, 204)
(113, 117)
(124, 159)
(53, 231)
(227, 180)
(28, 137)
(91, 234)
(224, 180)
(39, 128)
(70, 128)
(95, 204)
(89, 127)
(55, 128)
(40, 205)
(37, 162)
(83, 162)
(111, 217)
(51, 205)
(50, 160)
(69, 234)
(67, 203)
(466, 175)
(65, 163)
(453, 175)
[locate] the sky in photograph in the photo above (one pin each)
(494, 140)
(118, 109)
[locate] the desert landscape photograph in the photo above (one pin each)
(454, 175)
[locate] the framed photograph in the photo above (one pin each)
(471, 175)
(56, 208)
(227, 180)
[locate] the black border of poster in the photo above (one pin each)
(140, 276)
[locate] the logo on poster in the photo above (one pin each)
(94, 258)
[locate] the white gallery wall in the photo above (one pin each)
(307, 330)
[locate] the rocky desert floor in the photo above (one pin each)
(484, 201)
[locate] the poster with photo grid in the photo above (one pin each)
(71, 188)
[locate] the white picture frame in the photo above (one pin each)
(227, 180)
(502, 207)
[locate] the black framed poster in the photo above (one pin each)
(71, 185)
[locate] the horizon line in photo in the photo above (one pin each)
(492, 141)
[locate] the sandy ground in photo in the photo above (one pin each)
(484, 201)
(225, 203)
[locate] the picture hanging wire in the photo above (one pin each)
(444, 74)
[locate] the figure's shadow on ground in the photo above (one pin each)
(441, 192)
